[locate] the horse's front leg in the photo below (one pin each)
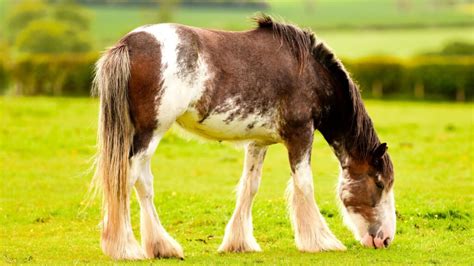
(311, 231)
(239, 231)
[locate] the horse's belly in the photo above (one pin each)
(224, 126)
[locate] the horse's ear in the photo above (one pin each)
(380, 151)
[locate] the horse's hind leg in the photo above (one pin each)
(311, 231)
(156, 242)
(157, 97)
(239, 231)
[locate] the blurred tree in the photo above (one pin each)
(40, 27)
(458, 48)
(455, 48)
(4, 66)
(22, 14)
(73, 14)
(51, 36)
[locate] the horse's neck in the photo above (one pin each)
(349, 131)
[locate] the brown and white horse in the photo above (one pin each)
(273, 84)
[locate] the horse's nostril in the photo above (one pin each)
(380, 234)
(387, 241)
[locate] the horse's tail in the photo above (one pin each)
(114, 140)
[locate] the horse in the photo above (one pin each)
(273, 84)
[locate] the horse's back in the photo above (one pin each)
(217, 84)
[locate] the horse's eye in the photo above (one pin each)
(380, 184)
(377, 163)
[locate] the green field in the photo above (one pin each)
(46, 144)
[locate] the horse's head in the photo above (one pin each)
(366, 191)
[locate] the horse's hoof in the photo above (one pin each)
(128, 251)
(328, 244)
(164, 249)
(251, 246)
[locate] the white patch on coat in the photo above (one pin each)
(179, 91)
(215, 126)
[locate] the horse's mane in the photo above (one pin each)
(299, 41)
(303, 44)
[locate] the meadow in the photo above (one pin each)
(46, 145)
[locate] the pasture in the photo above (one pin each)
(46, 145)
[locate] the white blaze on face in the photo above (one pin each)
(387, 211)
(384, 220)
(354, 221)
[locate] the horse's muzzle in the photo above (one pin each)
(380, 240)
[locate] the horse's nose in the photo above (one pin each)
(378, 236)
(379, 240)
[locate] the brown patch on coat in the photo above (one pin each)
(145, 84)
(244, 73)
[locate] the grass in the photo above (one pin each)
(46, 144)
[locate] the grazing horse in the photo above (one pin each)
(273, 84)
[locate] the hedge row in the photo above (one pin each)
(65, 74)
(4, 69)
(430, 77)
(423, 77)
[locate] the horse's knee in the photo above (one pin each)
(305, 187)
(144, 183)
(303, 179)
(142, 178)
